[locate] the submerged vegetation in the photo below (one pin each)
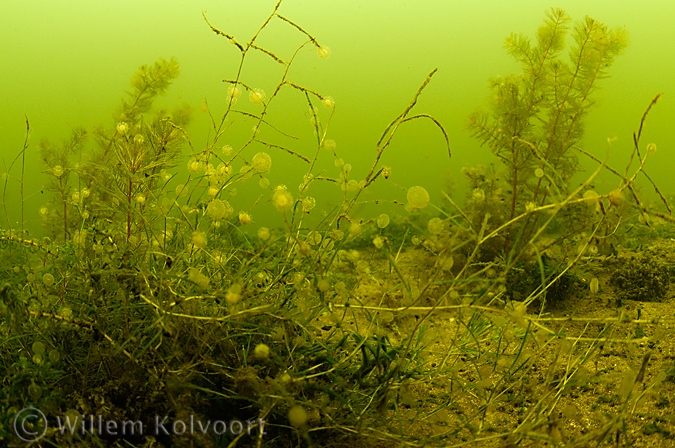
(537, 120)
(149, 299)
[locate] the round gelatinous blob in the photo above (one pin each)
(218, 209)
(233, 294)
(244, 218)
(329, 145)
(328, 102)
(194, 166)
(262, 162)
(591, 197)
(283, 201)
(323, 52)
(595, 285)
(436, 226)
(257, 96)
(418, 197)
(314, 238)
(38, 347)
(616, 197)
(199, 239)
(48, 279)
(383, 221)
(308, 204)
(261, 351)
(352, 185)
(323, 285)
(539, 173)
(448, 263)
(234, 91)
(297, 416)
(264, 233)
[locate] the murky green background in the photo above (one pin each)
(66, 63)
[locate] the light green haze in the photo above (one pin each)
(67, 63)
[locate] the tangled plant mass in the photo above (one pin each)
(338, 327)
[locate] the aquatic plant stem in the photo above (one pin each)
(129, 210)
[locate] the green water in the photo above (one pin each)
(148, 301)
(67, 63)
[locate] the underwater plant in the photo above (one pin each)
(642, 278)
(115, 186)
(150, 297)
(536, 121)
